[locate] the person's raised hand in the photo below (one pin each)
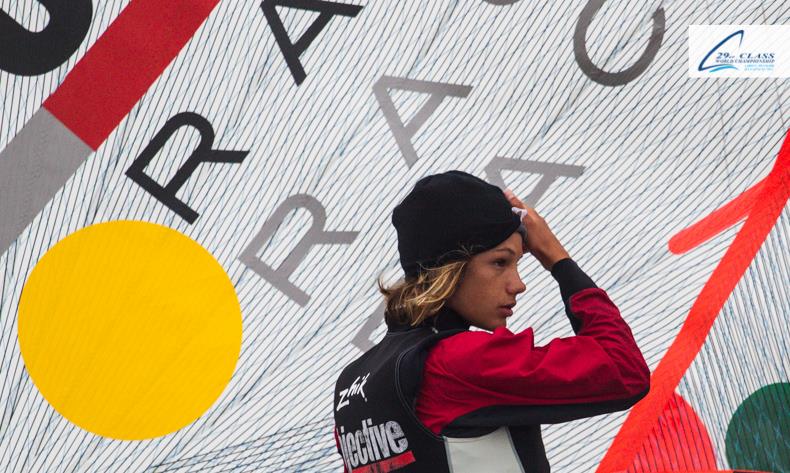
(540, 241)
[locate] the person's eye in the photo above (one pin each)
(500, 262)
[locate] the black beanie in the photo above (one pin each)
(445, 211)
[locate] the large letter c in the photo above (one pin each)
(627, 75)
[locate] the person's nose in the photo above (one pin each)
(517, 286)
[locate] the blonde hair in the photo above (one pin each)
(413, 299)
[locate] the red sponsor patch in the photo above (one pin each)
(388, 464)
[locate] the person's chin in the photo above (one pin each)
(500, 322)
(493, 322)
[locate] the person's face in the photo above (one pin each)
(490, 281)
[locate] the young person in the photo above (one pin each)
(434, 396)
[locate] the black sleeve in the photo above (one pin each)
(571, 280)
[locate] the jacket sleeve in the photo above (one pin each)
(476, 378)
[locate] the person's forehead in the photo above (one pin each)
(504, 250)
(509, 246)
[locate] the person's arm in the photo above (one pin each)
(571, 280)
(502, 378)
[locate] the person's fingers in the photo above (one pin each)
(514, 201)
(533, 213)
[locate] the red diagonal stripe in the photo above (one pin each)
(718, 221)
(764, 213)
(123, 63)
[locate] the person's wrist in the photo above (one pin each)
(551, 266)
(549, 258)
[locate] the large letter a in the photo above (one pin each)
(292, 50)
(404, 132)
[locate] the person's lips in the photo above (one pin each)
(506, 310)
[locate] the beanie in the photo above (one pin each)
(445, 212)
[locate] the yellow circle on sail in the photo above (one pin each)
(130, 330)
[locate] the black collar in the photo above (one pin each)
(445, 319)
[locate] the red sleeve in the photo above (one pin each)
(471, 376)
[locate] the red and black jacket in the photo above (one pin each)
(441, 398)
